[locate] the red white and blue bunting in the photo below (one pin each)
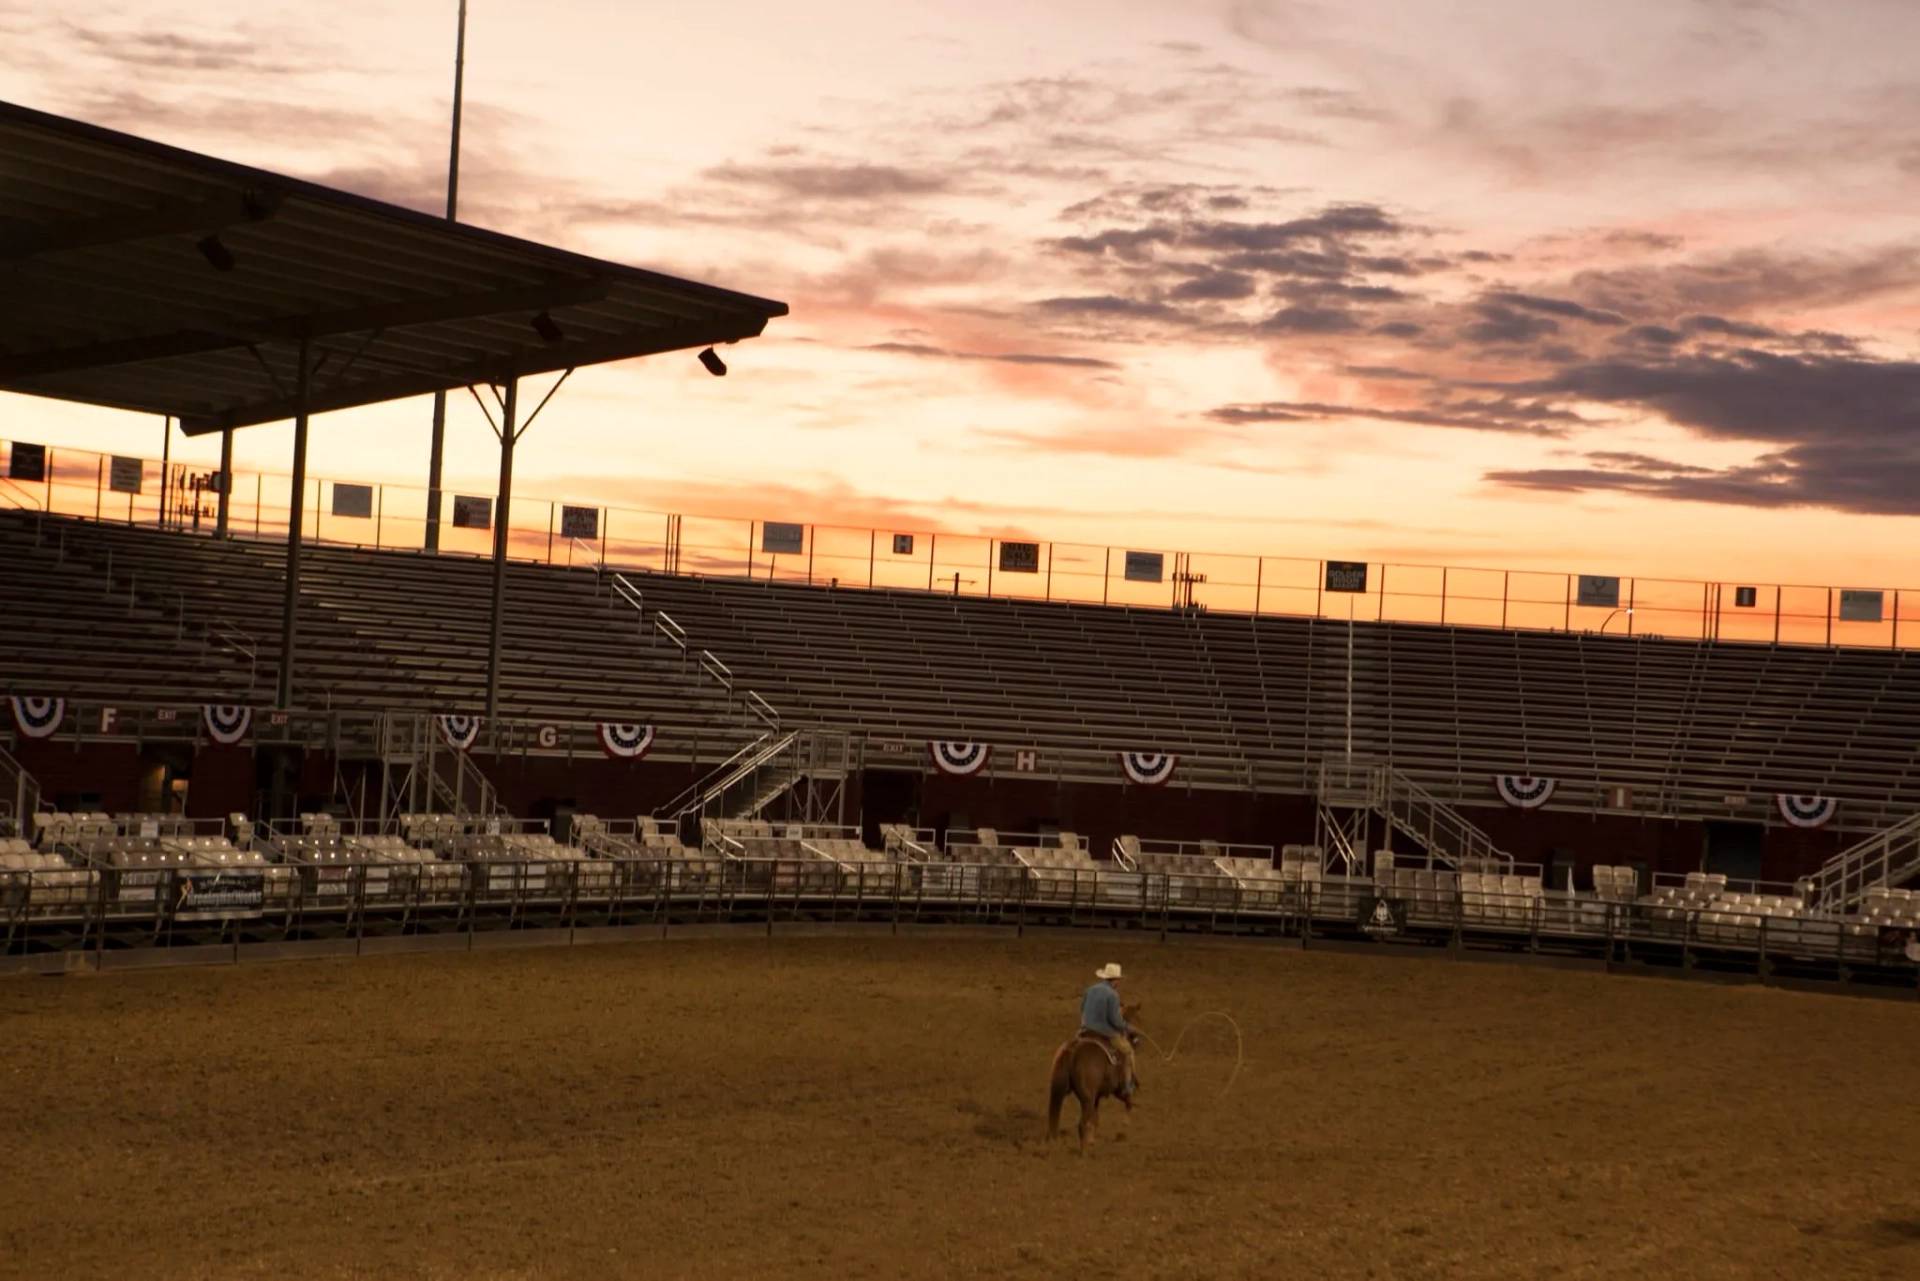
(459, 731)
(226, 722)
(1149, 769)
(625, 742)
(1523, 791)
(1806, 811)
(960, 759)
(38, 717)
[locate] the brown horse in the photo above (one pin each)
(1084, 1068)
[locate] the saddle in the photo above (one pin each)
(1106, 1046)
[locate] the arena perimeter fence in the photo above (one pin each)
(183, 496)
(52, 920)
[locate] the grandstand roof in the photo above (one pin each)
(143, 277)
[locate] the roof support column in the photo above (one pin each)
(501, 515)
(432, 543)
(296, 521)
(226, 482)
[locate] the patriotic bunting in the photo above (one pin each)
(459, 731)
(625, 742)
(38, 717)
(1150, 769)
(1523, 791)
(960, 758)
(1806, 811)
(226, 722)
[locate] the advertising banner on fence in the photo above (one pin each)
(472, 513)
(353, 500)
(1346, 576)
(1596, 591)
(1145, 567)
(1861, 607)
(27, 462)
(782, 538)
(1019, 558)
(124, 475)
(1382, 917)
(219, 896)
(580, 522)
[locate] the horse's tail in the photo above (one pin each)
(1060, 1086)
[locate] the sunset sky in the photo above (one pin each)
(1629, 287)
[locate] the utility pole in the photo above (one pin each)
(453, 203)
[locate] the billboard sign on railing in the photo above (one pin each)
(219, 896)
(1019, 558)
(470, 512)
(1146, 567)
(1346, 576)
(1861, 607)
(783, 538)
(355, 501)
(1597, 591)
(28, 462)
(124, 475)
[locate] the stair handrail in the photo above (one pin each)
(724, 775)
(1889, 854)
(716, 669)
(664, 624)
(629, 593)
(761, 708)
(1444, 831)
(23, 789)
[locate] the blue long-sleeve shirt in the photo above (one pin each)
(1100, 1010)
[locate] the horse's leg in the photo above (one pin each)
(1058, 1087)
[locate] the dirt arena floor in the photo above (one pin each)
(874, 1108)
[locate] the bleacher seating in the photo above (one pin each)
(127, 614)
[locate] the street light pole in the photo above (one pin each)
(1628, 611)
(453, 201)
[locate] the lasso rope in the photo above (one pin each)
(1239, 1044)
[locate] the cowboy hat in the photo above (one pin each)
(1111, 970)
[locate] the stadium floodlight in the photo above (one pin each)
(218, 256)
(715, 366)
(548, 329)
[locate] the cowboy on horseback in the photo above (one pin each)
(1101, 1019)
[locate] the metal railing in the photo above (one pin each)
(929, 560)
(1441, 830)
(1884, 859)
(19, 792)
(106, 910)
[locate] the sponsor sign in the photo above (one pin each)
(1346, 576)
(28, 462)
(219, 896)
(778, 538)
(472, 513)
(1861, 607)
(125, 475)
(1745, 597)
(903, 544)
(1019, 558)
(1382, 917)
(1145, 567)
(353, 500)
(580, 522)
(1596, 591)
